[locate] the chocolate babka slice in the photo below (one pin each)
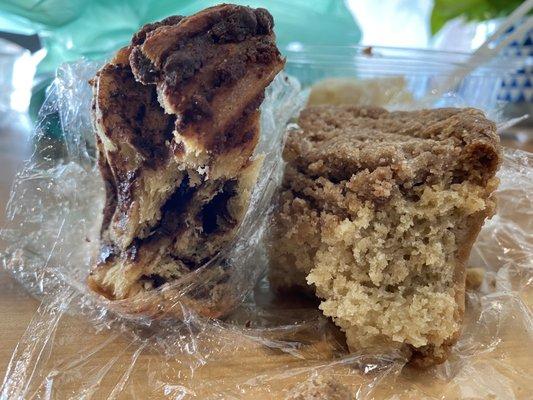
(177, 121)
(377, 216)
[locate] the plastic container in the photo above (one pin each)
(421, 69)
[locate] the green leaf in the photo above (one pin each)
(472, 10)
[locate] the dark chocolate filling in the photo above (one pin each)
(171, 223)
(215, 215)
(143, 68)
(141, 120)
(155, 279)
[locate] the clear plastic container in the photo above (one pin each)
(422, 71)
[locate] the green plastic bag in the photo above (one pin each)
(71, 29)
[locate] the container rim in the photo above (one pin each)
(431, 59)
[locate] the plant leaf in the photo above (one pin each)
(472, 10)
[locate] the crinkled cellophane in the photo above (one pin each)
(80, 346)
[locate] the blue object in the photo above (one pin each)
(517, 86)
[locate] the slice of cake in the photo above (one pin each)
(177, 121)
(377, 216)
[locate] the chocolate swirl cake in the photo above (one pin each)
(177, 121)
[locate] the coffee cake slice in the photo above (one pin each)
(377, 216)
(177, 121)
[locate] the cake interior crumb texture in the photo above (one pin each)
(377, 216)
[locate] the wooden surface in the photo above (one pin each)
(17, 309)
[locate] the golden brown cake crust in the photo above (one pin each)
(384, 207)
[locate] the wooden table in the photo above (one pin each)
(114, 355)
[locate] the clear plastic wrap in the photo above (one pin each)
(79, 346)
(419, 75)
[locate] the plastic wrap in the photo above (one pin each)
(79, 346)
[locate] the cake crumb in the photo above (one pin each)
(474, 277)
